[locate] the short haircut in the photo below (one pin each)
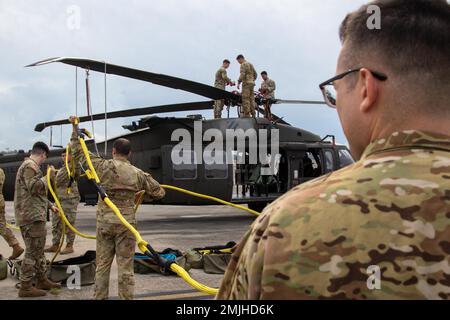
(240, 57)
(264, 73)
(122, 146)
(40, 148)
(413, 42)
(226, 61)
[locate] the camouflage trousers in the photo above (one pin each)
(218, 104)
(248, 100)
(34, 262)
(218, 108)
(5, 232)
(70, 210)
(114, 240)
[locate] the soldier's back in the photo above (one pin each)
(30, 194)
(121, 181)
(387, 213)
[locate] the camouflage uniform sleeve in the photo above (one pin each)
(255, 271)
(35, 183)
(78, 155)
(225, 76)
(62, 178)
(153, 190)
(242, 73)
(271, 86)
(2, 180)
(255, 74)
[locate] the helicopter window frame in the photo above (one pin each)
(327, 161)
(193, 167)
(208, 168)
(312, 158)
(345, 158)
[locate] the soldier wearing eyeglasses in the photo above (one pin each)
(380, 228)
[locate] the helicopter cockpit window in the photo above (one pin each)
(345, 158)
(186, 171)
(311, 164)
(215, 170)
(329, 160)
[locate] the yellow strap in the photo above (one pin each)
(140, 197)
(88, 158)
(13, 227)
(61, 210)
(195, 194)
(142, 244)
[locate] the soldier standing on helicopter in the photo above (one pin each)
(221, 81)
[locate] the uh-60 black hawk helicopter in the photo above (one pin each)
(301, 155)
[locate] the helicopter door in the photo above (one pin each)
(209, 179)
(311, 165)
(329, 161)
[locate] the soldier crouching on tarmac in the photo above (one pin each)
(69, 197)
(4, 231)
(30, 205)
(121, 181)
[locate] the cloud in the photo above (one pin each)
(295, 41)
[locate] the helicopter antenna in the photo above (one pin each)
(89, 109)
(76, 91)
(106, 114)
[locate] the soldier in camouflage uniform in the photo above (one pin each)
(221, 81)
(247, 77)
(267, 86)
(5, 232)
(69, 202)
(268, 92)
(380, 228)
(30, 205)
(121, 181)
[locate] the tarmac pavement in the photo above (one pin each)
(177, 227)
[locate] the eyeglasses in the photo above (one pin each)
(329, 92)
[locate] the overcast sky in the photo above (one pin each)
(295, 41)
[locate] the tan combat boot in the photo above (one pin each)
(45, 284)
(28, 291)
(52, 248)
(68, 249)
(17, 251)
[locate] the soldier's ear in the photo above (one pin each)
(369, 90)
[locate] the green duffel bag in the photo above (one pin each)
(60, 271)
(216, 263)
(3, 268)
(194, 259)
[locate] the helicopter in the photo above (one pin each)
(299, 155)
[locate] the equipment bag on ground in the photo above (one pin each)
(214, 259)
(216, 263)
(144, 265)
(60, 271)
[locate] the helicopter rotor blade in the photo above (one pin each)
(284, 101)
(274, 116)
(190, 106)
(155, 78)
